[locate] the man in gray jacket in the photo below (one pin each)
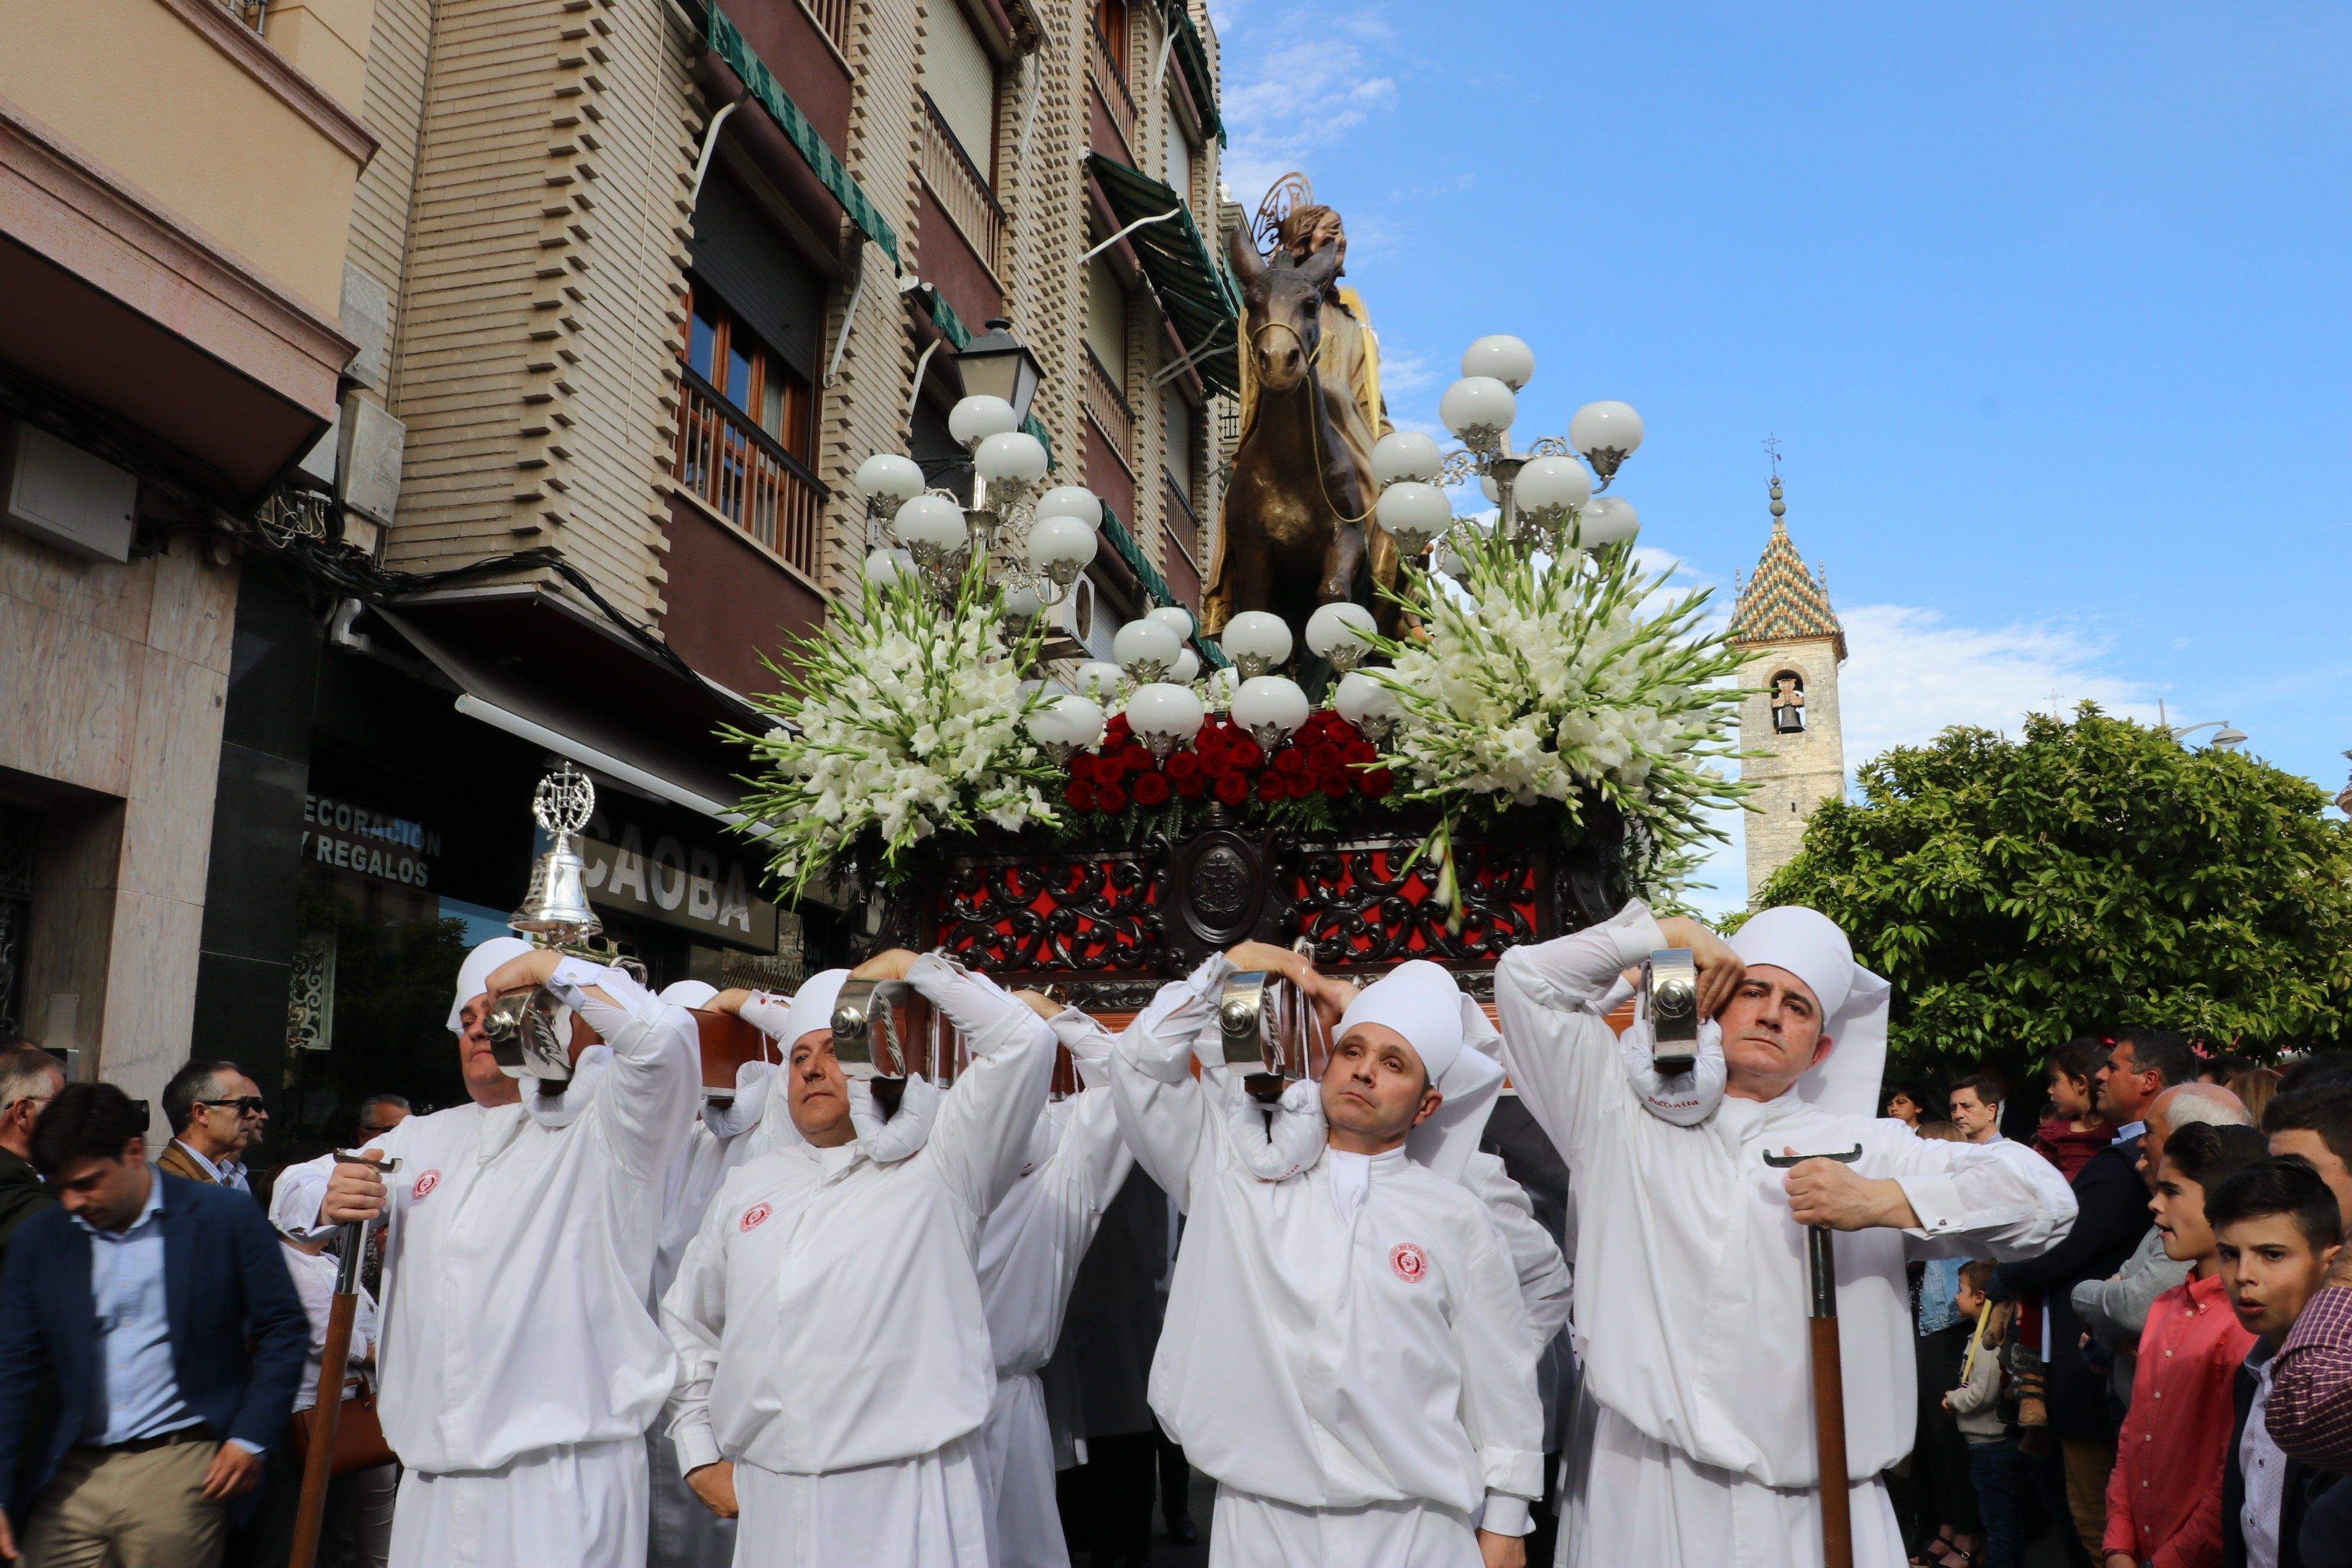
(2115, 1309)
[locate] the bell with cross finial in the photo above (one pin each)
(556, 909)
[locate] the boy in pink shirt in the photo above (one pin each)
(2164, 1498)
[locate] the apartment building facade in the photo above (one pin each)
(644, 281)
(177, 185)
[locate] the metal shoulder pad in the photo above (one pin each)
(531, 1033)
(866, 1027)
(1670, 1001)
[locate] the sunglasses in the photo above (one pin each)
(246, 1105)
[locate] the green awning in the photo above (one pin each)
(1123, 544)
(1192, 58)
(719, 34)
(959, 337)
(1200, 300)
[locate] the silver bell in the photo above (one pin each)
(556, 909)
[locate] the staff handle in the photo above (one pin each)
(318, 1465)
(334, 1366)
(1828, 1445)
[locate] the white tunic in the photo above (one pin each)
(827, 1317)
(1325, 1364)
(1030, 1249)
(1690, 1305)
(517, 1257)
(1544, 1282)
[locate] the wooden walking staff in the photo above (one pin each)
(318, 1465)
(1828, 1377)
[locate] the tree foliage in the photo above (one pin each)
(2092, 875)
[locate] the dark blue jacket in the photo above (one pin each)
(239, 1335)
(2110, 1216)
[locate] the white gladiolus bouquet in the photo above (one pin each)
(901, 718)
(1560, 682)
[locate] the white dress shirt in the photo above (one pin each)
(2264, 1467)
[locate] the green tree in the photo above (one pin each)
(2093, 874)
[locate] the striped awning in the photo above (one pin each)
(1193, 60)
(1197, 296)
(720, 36)
(1123, 545)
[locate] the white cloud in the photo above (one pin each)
(1911, 673)
(1297, 82)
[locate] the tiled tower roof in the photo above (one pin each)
(1784, 601)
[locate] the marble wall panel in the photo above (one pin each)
(194, 611)
(176, 759)
(71, 691)
(151, 995)
(113, 597)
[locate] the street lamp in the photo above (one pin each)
(2225, 737)
(998, 364)
(1036, 545)
(1544, 495)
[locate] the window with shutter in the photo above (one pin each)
(961, 77)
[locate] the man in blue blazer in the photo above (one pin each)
(150, 1344)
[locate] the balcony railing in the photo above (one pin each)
(1112, 84)
(252, 13)
(1183, 522)
(738, 471)
(961, 189)
(1107, 406)
(833, 18)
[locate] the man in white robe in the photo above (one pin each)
(834, 1357)
(1030, 1249)
(1345, 1349)
(519, 1364)
(1690, 1259)
(683, 1532)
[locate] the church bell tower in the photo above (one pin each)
(1792, 646)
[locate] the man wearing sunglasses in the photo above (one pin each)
(216, 1115)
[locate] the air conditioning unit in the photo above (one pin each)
(65, 497)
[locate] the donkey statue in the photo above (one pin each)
(1297, 531)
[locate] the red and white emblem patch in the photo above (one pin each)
(424, 1185)
(1409, 1261)
(755, 1217)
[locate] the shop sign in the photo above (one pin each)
(660, 876)
(371, 843)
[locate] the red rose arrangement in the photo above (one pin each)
(1325, 757)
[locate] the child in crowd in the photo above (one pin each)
(1977, 1406)
(2164, 1496)
(2276, 1228)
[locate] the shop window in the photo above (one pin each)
(1788, 703)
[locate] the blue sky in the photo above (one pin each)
(2050, 308)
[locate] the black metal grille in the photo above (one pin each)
(20, 833)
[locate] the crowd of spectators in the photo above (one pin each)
(2171, 1385)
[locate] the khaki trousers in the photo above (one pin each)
(129, 1508)
(2088, 1464)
